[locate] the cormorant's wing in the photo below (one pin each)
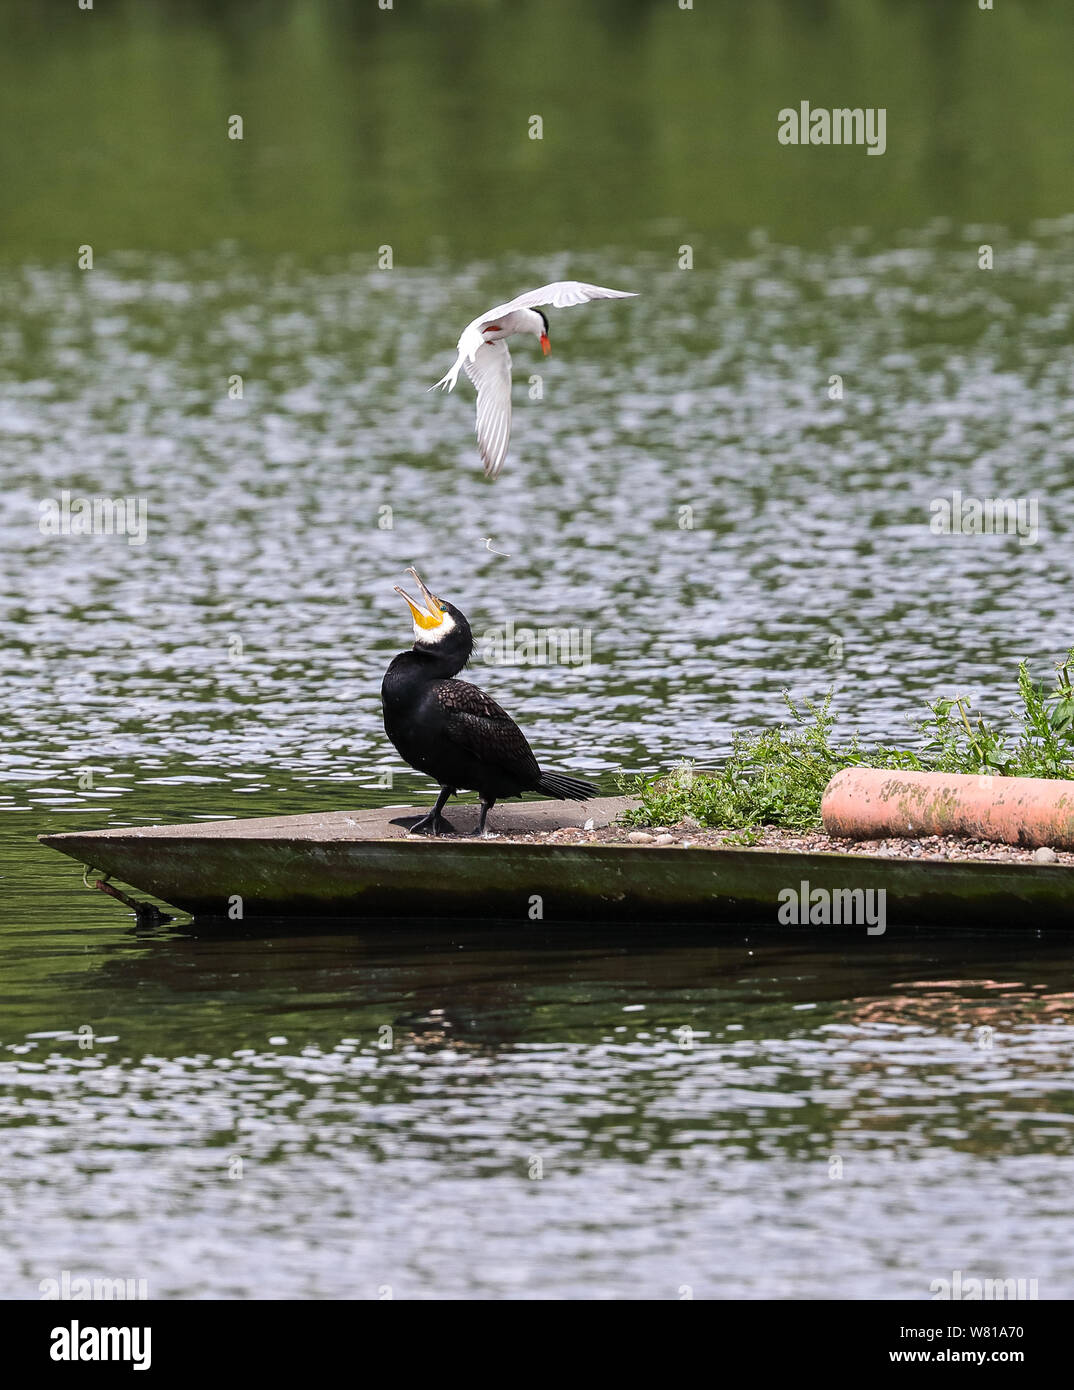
(561, 294)
(476, 723)
(490, 371)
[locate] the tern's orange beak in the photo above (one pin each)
(546, 346)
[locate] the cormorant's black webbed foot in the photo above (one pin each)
(425, 825)
(433, 823)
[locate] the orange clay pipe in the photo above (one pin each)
(866, 803)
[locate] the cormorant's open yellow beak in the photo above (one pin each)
(435, 616)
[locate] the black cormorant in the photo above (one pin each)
(451, 730)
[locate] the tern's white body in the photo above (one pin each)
(483, 353)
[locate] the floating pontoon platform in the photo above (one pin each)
(356, 864)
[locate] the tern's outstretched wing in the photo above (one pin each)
(490, 371)
(560, 295)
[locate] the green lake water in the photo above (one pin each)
(452, 1112)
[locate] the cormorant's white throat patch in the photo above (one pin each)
(429, 636)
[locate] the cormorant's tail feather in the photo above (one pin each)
(566, 788)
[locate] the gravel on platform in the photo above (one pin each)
(792, 841)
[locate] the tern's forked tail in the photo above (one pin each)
(447, 382)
